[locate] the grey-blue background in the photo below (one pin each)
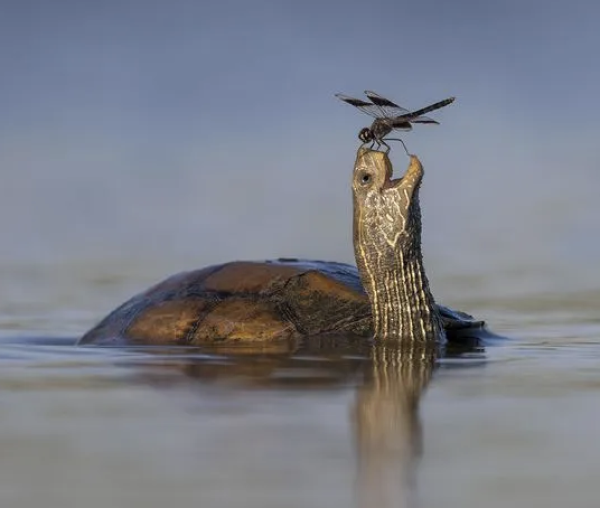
(183, 133)
(138, 139)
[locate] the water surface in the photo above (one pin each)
(513, 424)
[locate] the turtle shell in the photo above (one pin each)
(248, 302)
(241, 301)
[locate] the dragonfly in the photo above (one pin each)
(389, 117)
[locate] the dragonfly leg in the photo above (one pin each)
(398, 139)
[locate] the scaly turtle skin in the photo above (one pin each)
(249, 302)
(387, 297)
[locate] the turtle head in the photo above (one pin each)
(387, 214)
(387, 246)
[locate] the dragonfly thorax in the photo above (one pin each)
(380, 128)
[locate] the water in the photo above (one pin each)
(513, 424)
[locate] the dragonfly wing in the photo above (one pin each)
(388, 108)
(424, 119)
(366, 107)
(402, 126)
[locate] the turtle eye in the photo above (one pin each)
(364, 178)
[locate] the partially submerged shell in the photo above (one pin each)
(241, 302)
(248, 303)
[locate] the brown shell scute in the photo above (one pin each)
(172, 321)
(317, 303)
(243, 320)
(248, 277)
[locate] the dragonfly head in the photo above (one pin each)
(365, 135)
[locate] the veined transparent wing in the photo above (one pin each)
(366, 107)
(424, 119)
(388, 108)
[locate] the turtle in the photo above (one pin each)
(385, 296)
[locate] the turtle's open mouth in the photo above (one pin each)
(389, 170)
(396, 182)
(390, 183)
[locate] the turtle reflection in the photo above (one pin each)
(387, 423)
(390, 379)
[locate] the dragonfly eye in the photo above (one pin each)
(365, 135)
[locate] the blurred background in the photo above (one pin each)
(142, 138)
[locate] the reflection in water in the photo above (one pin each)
(315, 363)
(388, 428)
(385, 417)
(390, 380)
